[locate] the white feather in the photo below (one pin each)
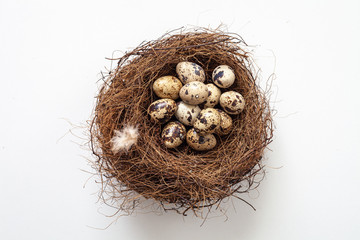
(124, 139)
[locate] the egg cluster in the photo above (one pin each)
(196, 110)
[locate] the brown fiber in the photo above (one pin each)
(180, 179)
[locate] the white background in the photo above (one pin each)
(51, 53)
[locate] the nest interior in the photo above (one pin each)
(184, 178)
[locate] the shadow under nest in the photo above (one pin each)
(179, 179)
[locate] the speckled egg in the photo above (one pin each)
(187, 113)
(199, 142)
(162, 110)
(167, 87)
(189, 72)
(173, 134)
(226, 123)
(232, 102)
(194, 93)
(213, 97)
(223, 76)
(207, 121)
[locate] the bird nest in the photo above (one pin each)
(181, 179)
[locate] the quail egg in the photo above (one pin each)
(173, 134)
(194, 93)
(213, 97)
(223, 76)
(189, 72)
(232, 102)
(207, 121)
(187, 113)
(162, 110)
(226, 123)
(199, 142)
(167, 87)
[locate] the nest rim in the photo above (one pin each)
(176, 178)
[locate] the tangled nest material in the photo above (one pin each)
(180, 179)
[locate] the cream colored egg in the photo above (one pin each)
(167, 87)
(223, 76)
(162, 110)
(213, 97)
(187, 113)
(199, 142)
(207, 121)
(194, 93)
(189, 72)
(226, 123)
(173, 134)
(232, 102)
